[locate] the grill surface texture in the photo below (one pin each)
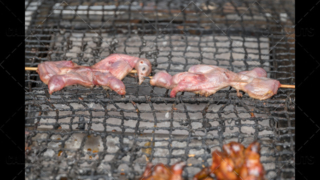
(83, 133)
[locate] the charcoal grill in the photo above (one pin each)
(83, 133)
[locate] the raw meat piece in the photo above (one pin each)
(107, 73)
(207, 79)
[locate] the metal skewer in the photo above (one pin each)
(150, 77)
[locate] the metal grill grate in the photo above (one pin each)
(82, 133)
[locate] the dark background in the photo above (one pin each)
(307, 97)
(12, 89)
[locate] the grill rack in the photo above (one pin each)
(173, 35)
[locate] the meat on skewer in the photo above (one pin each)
(203, 80)
(234, 163)
(107, 73)
(252, 169)
(207, 80)
(223, 166)
(257, 85)
(235, 151)
(163, 172)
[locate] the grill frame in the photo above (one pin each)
(42, 44)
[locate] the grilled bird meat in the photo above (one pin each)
(207, 80)
(234, 163)
(235, 151)
(252, 169)
(107, 73)
(163, 172)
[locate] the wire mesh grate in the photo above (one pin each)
(88, 133)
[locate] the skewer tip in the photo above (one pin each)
(287, 86)
(30, 68)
